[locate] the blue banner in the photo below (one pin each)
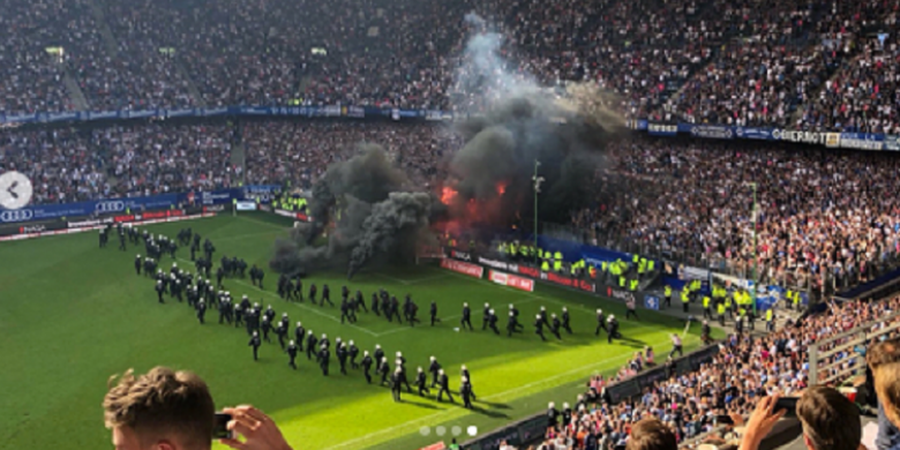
(595, 256)
(115, 205)
(651, 302)
(862, 141)
(263, 193)
(261, 188)
(764, 134)
(357, 112)
(712, 131)
(662, 129)
(892, 143)
(218, 197)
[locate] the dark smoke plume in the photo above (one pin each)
(399, 217)
(513, 123)
(564, 129)
(371, 216)
(369, 177)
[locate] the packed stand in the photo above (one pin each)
(745, 369)
(30, 78)
(150, 56)
(823, 217)
(107, 81)
(61, 164)
(864, 95)
(412, 54)
(783, 54)
(156, 159)
(297, 153)
(78, 165)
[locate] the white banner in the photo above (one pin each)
(245, 205)
(513, 281)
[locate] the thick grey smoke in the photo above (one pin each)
(515, 122)
(399, 217)
(294, 257)
(369, 176)
(371, 217)
(484, 77)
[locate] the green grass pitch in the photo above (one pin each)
(72, 314)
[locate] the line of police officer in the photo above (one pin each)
(201, 294)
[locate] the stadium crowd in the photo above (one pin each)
(863, 95)
(68, 165)
(822, 215)
(698, 61)
(825, 218)
(297, 153)
(745, 369)
(154, 159)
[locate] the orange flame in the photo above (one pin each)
(447, 195)
(501, 188)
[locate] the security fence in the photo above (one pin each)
(839, 358)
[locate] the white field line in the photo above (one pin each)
(547, 299)
(443, 319)
(302, 306)
(429, 418)
(270, 225)
(243, 236)
(409, 282)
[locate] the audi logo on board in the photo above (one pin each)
(110, 206)
(17, 215)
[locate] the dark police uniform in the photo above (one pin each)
(255, 343)
(292, 353)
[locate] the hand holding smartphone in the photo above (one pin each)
(789, 404)
(220, 429)
(258, 430)
(724, 419)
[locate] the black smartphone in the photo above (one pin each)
(724, 419)
(220, 430)
(787, 403)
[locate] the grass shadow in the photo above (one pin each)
(494, 405)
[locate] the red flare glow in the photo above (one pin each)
(447, 195)
(464, 211)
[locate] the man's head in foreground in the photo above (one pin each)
(884, 360)
(160, 410)
(651, 434)
(887, 384)
(830, 421)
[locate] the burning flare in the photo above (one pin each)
(447, 195)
